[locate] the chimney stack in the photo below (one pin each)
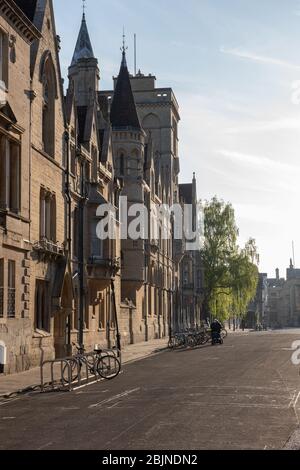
(277, 274)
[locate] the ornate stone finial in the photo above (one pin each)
(124, 41)
(83, 7)
(124, 48)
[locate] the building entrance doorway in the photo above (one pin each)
(63, 321)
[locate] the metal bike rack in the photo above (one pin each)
(55, 384)
(86, 369)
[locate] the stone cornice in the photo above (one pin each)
(19, 20)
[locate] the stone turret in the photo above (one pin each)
(128, 136)
(84, 74)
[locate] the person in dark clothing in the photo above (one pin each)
(216, 326)
(216, 329)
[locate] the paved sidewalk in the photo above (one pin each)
(13, 383)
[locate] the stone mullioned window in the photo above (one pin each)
(10, 169)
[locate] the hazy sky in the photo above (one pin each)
(235, 68)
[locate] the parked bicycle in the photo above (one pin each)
(102, 362)
(189, 338)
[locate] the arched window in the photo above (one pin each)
(49, 96)
(47, 216)
(151, 121)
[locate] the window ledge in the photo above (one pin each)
(18, 216)
(51, 159)
(41, 334)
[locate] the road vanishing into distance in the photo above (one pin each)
(242, 395)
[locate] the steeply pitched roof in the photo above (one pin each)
(28, 7)
(123, 109)
(104, 106)
(83, 49)
(8, 113)
(69, 100)
(186, 193)
(85, 120)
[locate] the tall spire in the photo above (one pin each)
(123, 110)
(83, 49)
(124, 49)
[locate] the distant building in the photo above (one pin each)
(275, 286)
(257, 313)
(283, 306)
(191, 276)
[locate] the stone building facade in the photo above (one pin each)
(17, 34)
(257, 309)
(191, 274)
(94, 263)
(62, 157)
(283, 305)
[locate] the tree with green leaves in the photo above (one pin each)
(231, 273)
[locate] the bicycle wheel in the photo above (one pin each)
(201, 339)
(74, 372)
(108, 367)
(207, 337)
(172, 343)
(191, 341)
(224, 333)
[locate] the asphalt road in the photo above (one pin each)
(242, 395)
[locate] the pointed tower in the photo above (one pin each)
(129, 161)
(84, 74)
(123, 110)
(194, 199)
(128, 136)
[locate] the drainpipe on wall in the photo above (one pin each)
(67, 192)
(32, 96)
(68, 236)
(81, 272)
(81, 260)
(118, 336)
